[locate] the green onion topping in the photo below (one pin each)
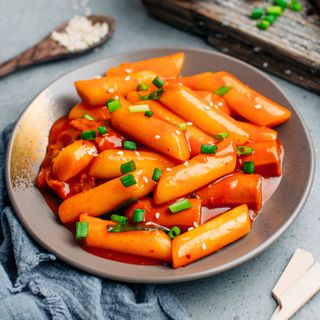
(156, 174)
(158, 82)
(221, 135)
(139, 108)
(138, 215)
(175, 231)
(88, 117)
(295, 6)
(270, 18)
(248, 167)
(145, 97)
(82, 228)
(128, 180)
(208, 148)
(142, 87)
(128, 227)
(274, 10)
(102, 130)
(280, 3)
(257, 13)
(182, 126)
(114, 105)
(155, 95)
(128, 167)
(244, 150)
(148, 113)
(88, 135)
(119, 219)
(180, 205)
(222, 90)
(129, 145)
(110, 100)
(263, 24)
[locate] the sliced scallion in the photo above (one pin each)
(155, 95)
(148, 113)
(257, 13)
(248, 167)
(128, 180)
(221, 135)
(180, 205)
(156, 174)
(119, 219)
(139, 108)
(175, 231)
(129, 145)
(158, 82)
(128, 167)
(208, 148)
(102, 130)
(88, 117)
(274, 10)
(114, 105)
(88, 135)
(183, 126)
(142, 87)
(138, 215)
(222, 90)
(244, 150)
(82, 229)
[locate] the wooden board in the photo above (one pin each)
(289, 49)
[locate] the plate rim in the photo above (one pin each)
(177, 278)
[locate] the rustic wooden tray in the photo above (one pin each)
(289, 49)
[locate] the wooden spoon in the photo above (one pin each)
(49, 50)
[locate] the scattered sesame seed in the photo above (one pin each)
(195, 224)
(120, 153)
(220, 104)
(127, 78)
(116, 97)
(189, 123)
(128, 71)
(287, 71)
(97, 77)
(258, 106)
(157, 215)
(257, 49)
(186, 163)
(191, 228)
(207, 108)
(211, 103)
(216, 106)
(137, 153)
(204, 247)
(157, 137)
(168, 169)
(145, 179)
(178, 132)
(265, 64)
(180, 84)
(110, 90)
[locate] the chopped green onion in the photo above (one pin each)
(138, 215)
(142, 87)
(263, 24)
(270, 18)
(175, 231)
(221, 135)
(128, 167)
(114, 105)
(128, 227)
(148, 113)
(82, 229)
(180, 205)
(158, 82)
(295, 6)
(102, 130)
(146, 97)
(222, 90)
(119, 219)
(257, 13)
(88, 135)
(88, 117)
(274, 10)
(128, 180)
(155, 95)
(139, 108)
(208, 148)
(248, 167)
(244, 150)
(110, 100)
(156, 174)
(129, 145)
(280, 3)
(182, 126)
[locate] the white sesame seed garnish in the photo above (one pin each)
(157, 137)
(180, 84)
(191, 228)
(287, 71)
(186, 163)
(120, 153)
(189, 123)
(116, 97)
(220, 104)
(145, 179)
(207, 108)
(178, 132)
(137, 153)
(265, 64)
(110, 90)
(204, 247)
(216, 106)
(97, 77)
(195, 224)
(168, 169)
(211, 103)
(128, 71)
(127, 78)
(258, 106)
(157, 215)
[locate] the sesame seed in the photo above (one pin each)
(168, 169)
(265, 64)
(195, 224)
(127, 78)
(116, 97)
(178, 132)
(258, 106)
(157, 215)
(191, 228)
(186, 163)
(110, 90)
(287, 72)
(189, 123)
(211, 103)
(128, 71)
(216, 106)
(180, 84)
(137, 153)
(220, 104)
(207, 108)
(120, 153)
(204, 247)
(145, 179)
(97, 77)
(157, 137)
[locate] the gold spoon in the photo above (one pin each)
(49, 50)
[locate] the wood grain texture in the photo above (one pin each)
(290, 48)
(49, 50)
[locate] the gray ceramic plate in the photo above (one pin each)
(28, 145)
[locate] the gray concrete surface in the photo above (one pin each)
(242, 293)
